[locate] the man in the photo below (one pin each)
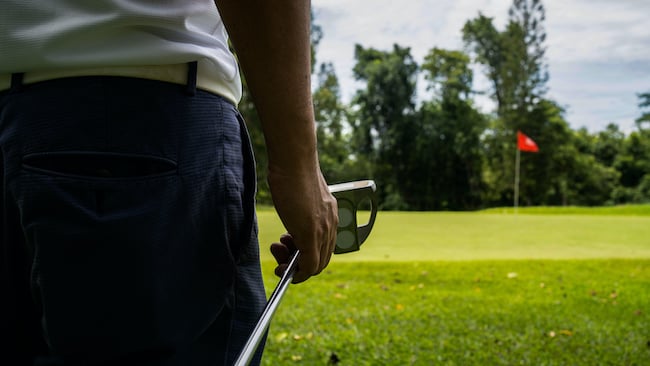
(127, 181)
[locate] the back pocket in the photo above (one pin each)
(99, 164)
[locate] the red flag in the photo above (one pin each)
(525, 143)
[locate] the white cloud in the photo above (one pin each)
(598, 30)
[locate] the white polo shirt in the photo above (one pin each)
(60, 36)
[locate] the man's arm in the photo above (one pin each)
(272, 43)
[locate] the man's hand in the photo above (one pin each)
(309, 213)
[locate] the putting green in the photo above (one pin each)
(433, 236)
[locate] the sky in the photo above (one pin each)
(598, 51)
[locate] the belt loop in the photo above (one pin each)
(17, 81)
(191, 77)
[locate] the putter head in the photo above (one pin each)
(350, 196)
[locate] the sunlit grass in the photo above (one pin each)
(408, 236)
(467, 313)
(627, 210)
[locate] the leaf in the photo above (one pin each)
(282, 336)
(296, 358)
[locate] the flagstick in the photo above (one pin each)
(517, 180)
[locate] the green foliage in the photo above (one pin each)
(383, 124)
(315, 36)
(643, 122)
(513, 58)
(592, 183)
(484, 41)
(448, 168)
(608, 145)
(625, 160)
(448, 73)
(333, 144)
(634, 160)
(446, 164)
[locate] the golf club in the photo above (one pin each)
(350, 197)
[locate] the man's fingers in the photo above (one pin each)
(308, 265)
(325, 256)
(288, 241)
(312, 263)
(280, 269)
(280, 252)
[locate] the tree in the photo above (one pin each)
(448, 73)
(644, 104)
(633, 163)
(485, 42)
(524, 39)
(633, 160)
(316, 35)
(590, 183)
(448, 149)
(514, 58)
(514, 62)
(608, 144)
(383, 117)
(333, 143)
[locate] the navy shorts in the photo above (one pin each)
(128, 232)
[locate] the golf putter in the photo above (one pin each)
(349, 237)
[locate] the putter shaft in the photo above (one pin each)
(262, 325)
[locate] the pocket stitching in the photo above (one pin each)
(39, 170)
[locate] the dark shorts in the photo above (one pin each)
(128, 232)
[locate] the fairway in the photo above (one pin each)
(433, 236)
(473, 289)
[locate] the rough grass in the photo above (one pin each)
(473, 289)
(592, 312)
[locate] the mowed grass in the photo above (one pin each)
(431, 236)
(473, 289)
(628, 210)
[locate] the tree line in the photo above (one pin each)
(443, 153)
